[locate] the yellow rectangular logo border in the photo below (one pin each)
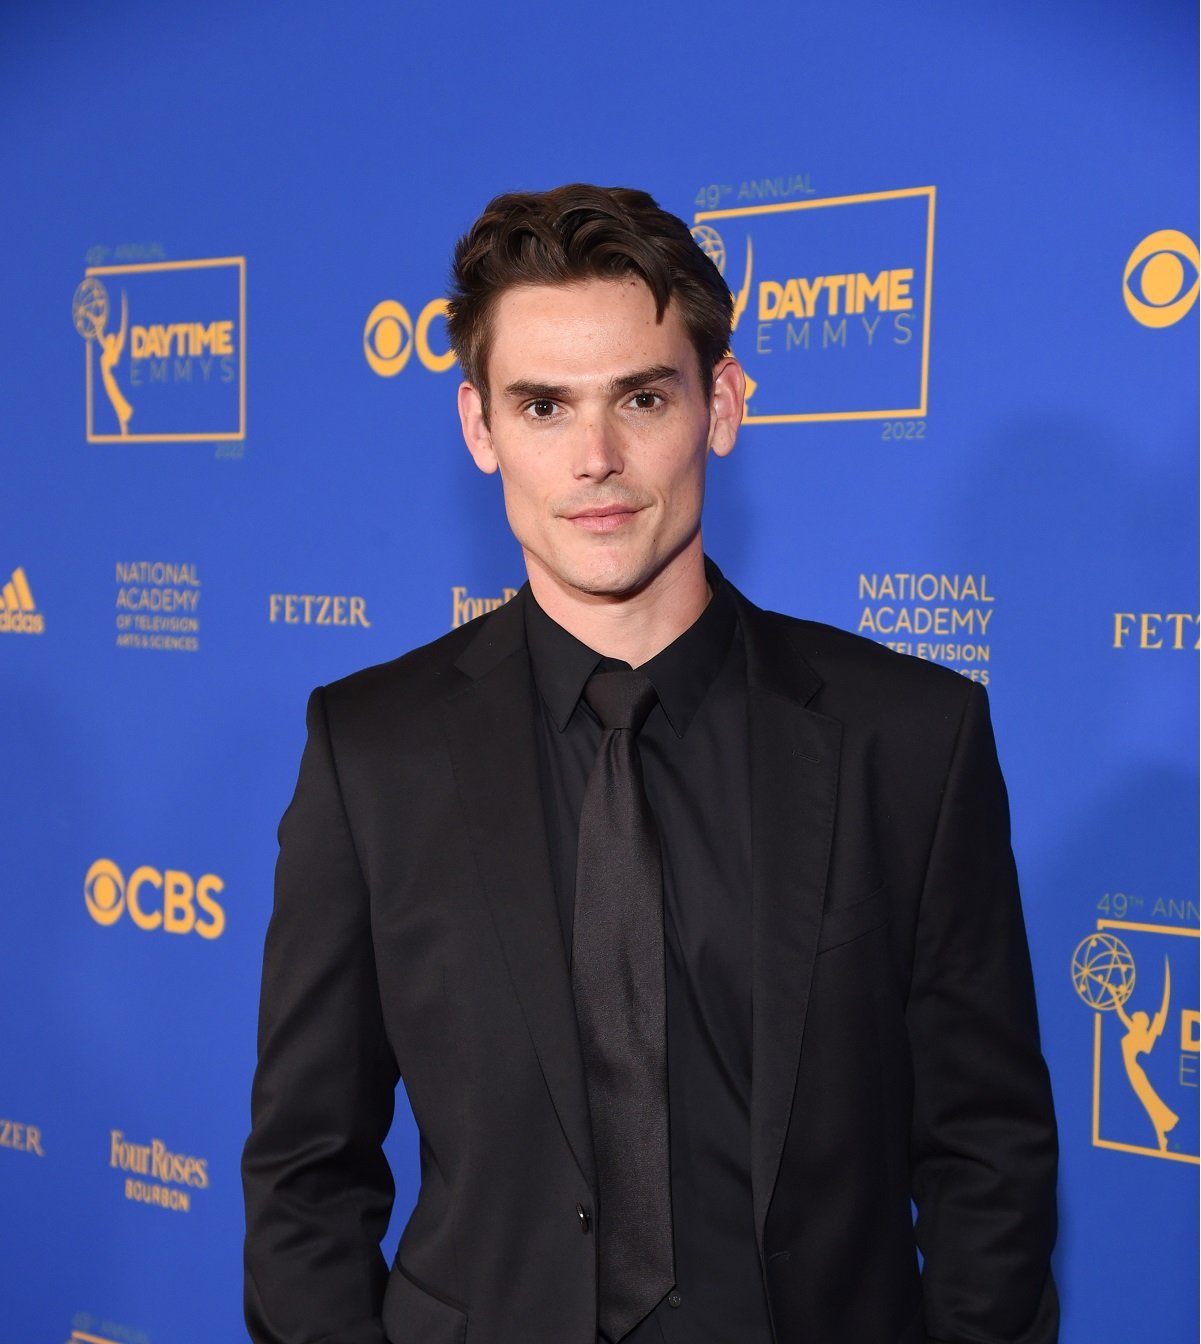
(222, 437)
(779, 207)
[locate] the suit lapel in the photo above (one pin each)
(493, 746)
(794, 758)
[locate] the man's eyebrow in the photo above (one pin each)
(524, 388)
(657, 373)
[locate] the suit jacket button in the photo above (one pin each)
(585, 1220)
(674, 1299)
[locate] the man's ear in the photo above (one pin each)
(726, 404)
(476, 433)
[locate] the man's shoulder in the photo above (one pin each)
(857, 676)
(835, 650)
(418, 676)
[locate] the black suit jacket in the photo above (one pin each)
(415, 933)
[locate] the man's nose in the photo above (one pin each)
(598, 448)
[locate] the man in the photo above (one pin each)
(693, 929)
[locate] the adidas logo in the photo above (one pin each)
(18, 611)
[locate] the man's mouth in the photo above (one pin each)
(602, 517)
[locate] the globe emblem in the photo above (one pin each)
(89, 308)
(710, 243)
(1103, 971)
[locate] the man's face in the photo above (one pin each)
(600, 430)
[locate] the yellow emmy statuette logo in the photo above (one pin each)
(1103, 973)
(713, 246)
(90, 310)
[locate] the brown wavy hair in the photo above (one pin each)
(575, 233)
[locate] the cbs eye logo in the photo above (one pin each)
(389, 338)
(155, 900)
(1162, 277)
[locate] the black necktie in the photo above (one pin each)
(617, 979)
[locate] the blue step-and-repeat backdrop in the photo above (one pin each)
(964, 244)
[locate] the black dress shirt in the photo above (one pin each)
(694, 761)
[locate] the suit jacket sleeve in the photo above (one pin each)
(984, 1147)
(318, 1187)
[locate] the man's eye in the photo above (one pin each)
(646, 401)
(542, 408)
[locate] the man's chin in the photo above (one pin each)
(612, 572)
(615, 579)
(614, 586)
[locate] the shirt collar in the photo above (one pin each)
(681, 673)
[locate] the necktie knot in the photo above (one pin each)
(620, 699)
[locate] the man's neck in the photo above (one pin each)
(632, 627)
